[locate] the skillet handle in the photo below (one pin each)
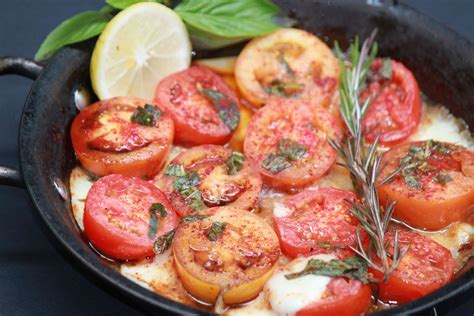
(26, 68)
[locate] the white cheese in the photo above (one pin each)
(280, 210)
(287, 297)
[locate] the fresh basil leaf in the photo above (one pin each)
(175, 170)
(146, 116)
(80, 27)
(219, 23)
(163, 242)
(235, 162)
(123, 4)
(193, 218)
(353, 268)
(227, 110)
(155, 208)
(215, 231)
(275, 163)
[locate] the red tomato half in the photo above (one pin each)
(106, 141)
(319, 221)
(426, 267)
(396, 111)
(342, 297)
(204, 109)
(217, 186)
(117, 217)
(297, 124)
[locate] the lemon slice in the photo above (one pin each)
(139, 46)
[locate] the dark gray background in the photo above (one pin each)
(35, 278)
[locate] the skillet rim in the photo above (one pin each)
(90, 260)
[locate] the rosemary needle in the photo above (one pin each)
(364, 162)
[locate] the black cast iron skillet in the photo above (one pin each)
(441, 60)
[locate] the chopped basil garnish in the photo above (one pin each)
(287, 150)
(353, 268)
(227, 109)
(175, 170)
(386, 69)
(235, 162)
(164, 242)
(415, 164)
(185, 183)
(92, 177)
(290, 149)
(193, 218)
(215, 231)
(275, 164)
(153, 225)
(147, 116)
(284, 89)
(327, 246)
(444, 178)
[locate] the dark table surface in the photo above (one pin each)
(35, 278)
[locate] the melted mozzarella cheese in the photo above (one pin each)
(280, 210)
(80, 184)
(287, 297)
(438, 124)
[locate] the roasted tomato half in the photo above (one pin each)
(231, 252)
(287, 141)
(207, 176)
(124, 216)
(312, 294)
(316, 220)
(122, 135)
(288, 63)
(435, 186)
(425, 267)
(204, 109)
(396, 109)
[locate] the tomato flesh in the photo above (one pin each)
(319, 222)
(308, 125)
(106, 141)
(342, 297)
(425, 267)
(217, 186)
(197, 120)
(438, 192)
(396, 111)
(117, 217)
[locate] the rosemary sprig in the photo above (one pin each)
(364, 162)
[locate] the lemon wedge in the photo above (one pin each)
(139, 46)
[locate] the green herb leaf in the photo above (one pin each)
(154, 223)
(235, 162)
(413, 182)
(290, 149)
(175, 170)
(227, 110)
(80, 27)
(193, 218)
(122, 4)
(444, 178)
(284, 89)
(275, 164)
(92, 177)
(327, 246)
(353, 268)
(219, 23)
(215, 231)
(164, 242)
(185, 184)
(147, 116)
(386, 69)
